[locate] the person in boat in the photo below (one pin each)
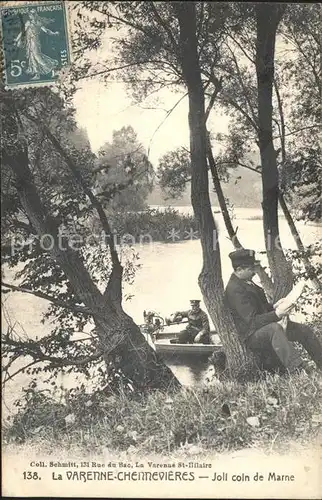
(197, 330)
(258, 322)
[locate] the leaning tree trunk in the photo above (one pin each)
(267, 19)
(119, 335)
(311, 273)
(210, 280)
(263, 276)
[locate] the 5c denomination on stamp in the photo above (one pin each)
(35, 43)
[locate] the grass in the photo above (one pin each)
(214, 419)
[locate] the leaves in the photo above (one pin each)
(174, 172)
(126, 175)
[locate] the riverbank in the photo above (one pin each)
(268, 414)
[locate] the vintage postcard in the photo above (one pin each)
(161, 250)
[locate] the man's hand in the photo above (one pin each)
(176, 317)
(282, 311)
(198, 337)
(279, 302)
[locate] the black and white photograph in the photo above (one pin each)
(161, 255)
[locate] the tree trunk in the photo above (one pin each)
(119, 335)
(267, 19)
(263, 276)
(210, 280)
(306, 261)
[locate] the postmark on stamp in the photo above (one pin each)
(35, 43)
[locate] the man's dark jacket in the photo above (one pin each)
(249, 306)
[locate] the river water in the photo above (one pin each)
(165, 282)
(169, 274)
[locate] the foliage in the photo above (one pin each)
(147, 57)
(302, 181)
(59, 348)
(174, 172)
(123, 162)
(157, 224)
(299, 79)
(216, 418)
(296, 104)
(146, 52)
(309, 303)
(301, 34)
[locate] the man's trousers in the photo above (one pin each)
(188, 335)
(271, 340)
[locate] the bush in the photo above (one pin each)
(309, 302)
(158, 224)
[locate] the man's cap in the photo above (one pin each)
(243, 257)
(194, 302)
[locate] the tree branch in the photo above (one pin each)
(257, 171)
(45, 296)
(165, 26)
(33, 349)
(218, 87)
(93, 199)
(241, 82)
(241, 48)
(165, 118)
(55, 361)
(128, 23)
(9, 377)
(294, 132)
(201, 20)
(235, 105)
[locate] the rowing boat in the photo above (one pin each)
(160, 340)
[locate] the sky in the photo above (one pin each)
(102, 108)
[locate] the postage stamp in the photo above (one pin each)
(35, 43)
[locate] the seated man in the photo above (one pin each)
(197, 330)
(257, 321)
